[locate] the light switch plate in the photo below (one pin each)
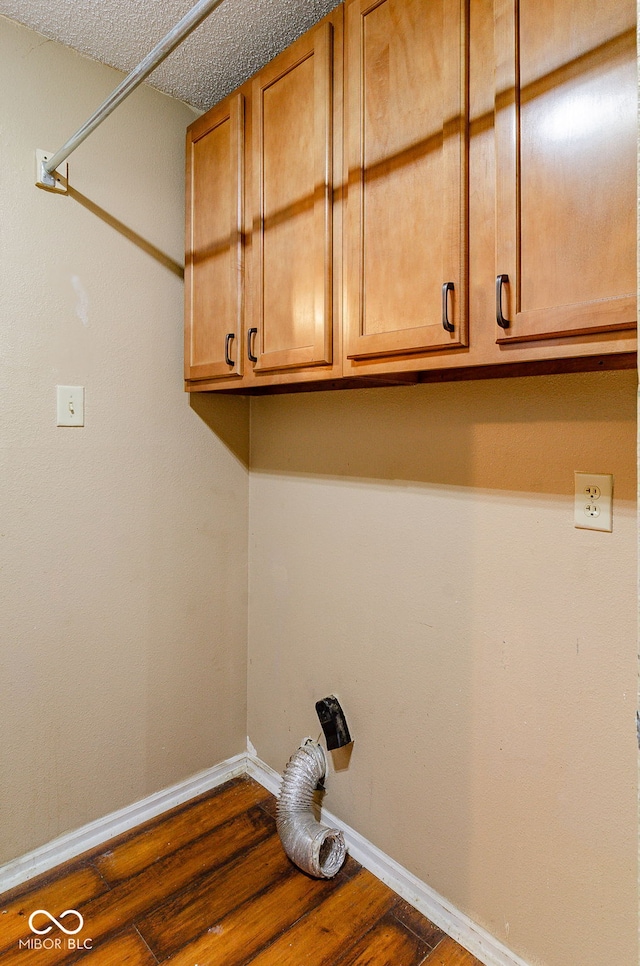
(70, 405)
(593, 502)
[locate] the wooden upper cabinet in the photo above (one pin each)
(292, 206)
(214, 277)
(407, 149)
(329, 199)
(566, 127)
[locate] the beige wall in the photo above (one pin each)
(123, 544)
(413, 551)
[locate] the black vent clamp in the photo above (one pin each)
(334, 723)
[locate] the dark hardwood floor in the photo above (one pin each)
(208, 884)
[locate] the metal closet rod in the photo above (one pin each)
(173, 39)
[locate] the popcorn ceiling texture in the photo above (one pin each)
(238, 38)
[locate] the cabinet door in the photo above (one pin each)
(407, 191)
(292, 224)
(214, 244)
(566, 167)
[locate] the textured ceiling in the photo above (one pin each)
(238, 38)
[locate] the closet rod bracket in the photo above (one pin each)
(57, 180)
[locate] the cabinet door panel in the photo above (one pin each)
(292, 225)
(407, 159)
(566, 164)
(214, 255)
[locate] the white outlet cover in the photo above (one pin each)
(593, 502)
(70, 405)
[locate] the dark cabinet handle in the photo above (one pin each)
(250, 335)
(500, 319)
(227, 342)
(446, 324)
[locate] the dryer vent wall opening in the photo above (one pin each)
(316, 849)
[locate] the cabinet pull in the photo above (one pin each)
(500, 319)
(251, 335)
(446, 324)
(227, 342)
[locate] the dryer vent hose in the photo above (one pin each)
(314, 848)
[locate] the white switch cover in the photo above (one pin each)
(70, 405)
(593, 501)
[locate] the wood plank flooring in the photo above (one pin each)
(208, 884)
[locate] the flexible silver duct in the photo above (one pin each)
(313, 847)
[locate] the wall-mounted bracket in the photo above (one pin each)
(55, 181)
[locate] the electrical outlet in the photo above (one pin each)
(593, 503)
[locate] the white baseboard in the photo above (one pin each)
(477, 940)
(263, 774)
(89, 836)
